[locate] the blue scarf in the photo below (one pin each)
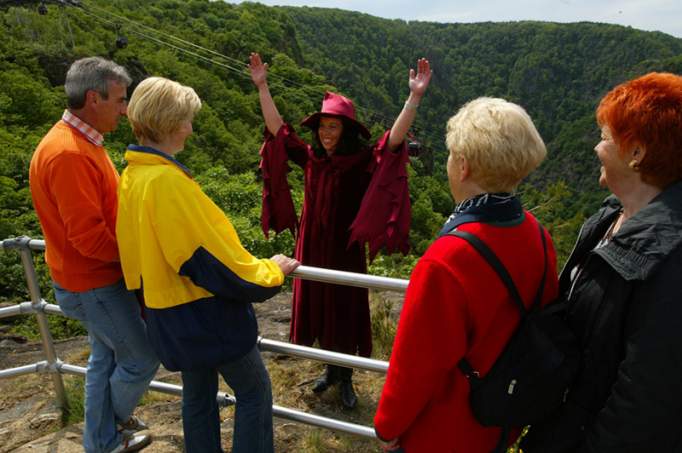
(501, 209)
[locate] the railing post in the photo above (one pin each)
(37, 303)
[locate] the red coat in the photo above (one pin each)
(336, 188)
(456, 305)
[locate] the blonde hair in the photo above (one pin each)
(498, 140)
(158, 106)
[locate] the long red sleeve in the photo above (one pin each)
(278, 212)
(384, 216)
(432, 337)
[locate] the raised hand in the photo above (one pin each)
(420, 81)
(259, 75)
(259, 70)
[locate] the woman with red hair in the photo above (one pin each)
(622, 283)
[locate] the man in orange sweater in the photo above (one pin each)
(74, 189)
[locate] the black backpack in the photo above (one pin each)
(532, 374)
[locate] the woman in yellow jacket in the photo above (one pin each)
(198, 280)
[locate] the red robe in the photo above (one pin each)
(367, 189)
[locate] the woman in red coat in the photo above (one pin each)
(353, 194)
(455, 305)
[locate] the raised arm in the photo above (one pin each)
(259, 75)
(418, 84)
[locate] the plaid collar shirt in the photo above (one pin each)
(84, 128)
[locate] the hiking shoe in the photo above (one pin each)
(132, 425)
(327, 379)
(348, 397)
(133, 443)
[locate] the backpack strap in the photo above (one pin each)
(502, 272)
(541, 288)
(496, 264)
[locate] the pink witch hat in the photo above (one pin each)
(334, 104)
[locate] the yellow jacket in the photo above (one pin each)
(173, 238)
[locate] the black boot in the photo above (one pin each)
(348, 397)
(328, 378)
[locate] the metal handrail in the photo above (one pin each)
(322, 355)
(37, 305)
(56, 368)
(319, 274)
(22, 242)
(264, 344)
(225, 399)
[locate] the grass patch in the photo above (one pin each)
(313, 442)
(60, 327)
(75, 397)
(383, 326)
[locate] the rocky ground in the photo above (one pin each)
(31, 423)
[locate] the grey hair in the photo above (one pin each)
(92, 73)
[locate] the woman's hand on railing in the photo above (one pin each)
(389, 446)
(288, 265)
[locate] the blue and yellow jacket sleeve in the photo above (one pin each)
(178, 244)
(200, 243)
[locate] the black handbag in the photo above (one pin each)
(532, 374)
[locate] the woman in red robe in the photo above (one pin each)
(354, 194)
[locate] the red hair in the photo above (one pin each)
(647, 113)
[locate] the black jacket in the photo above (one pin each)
(626, 308)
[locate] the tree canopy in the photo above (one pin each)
(557, 72)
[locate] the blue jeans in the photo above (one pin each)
(250, 382)
(121, 362)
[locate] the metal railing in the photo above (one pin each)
(56, 367)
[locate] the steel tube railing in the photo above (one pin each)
(23, 241)
(323, 422)
(28, 307)
(18, 309)
(306, 272)
(228, 400)
(53, 309)
(25, 369)
(56, 367)
(335, 358)
(11, 311)
(157, 386)
(45, 335)
(319, 274)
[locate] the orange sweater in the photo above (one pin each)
(73, 186)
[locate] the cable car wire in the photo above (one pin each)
(216, 58)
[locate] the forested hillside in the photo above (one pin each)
(557, 72)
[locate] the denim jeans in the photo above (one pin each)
(121, 362)
(250, 382)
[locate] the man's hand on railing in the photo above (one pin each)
(288, 265)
